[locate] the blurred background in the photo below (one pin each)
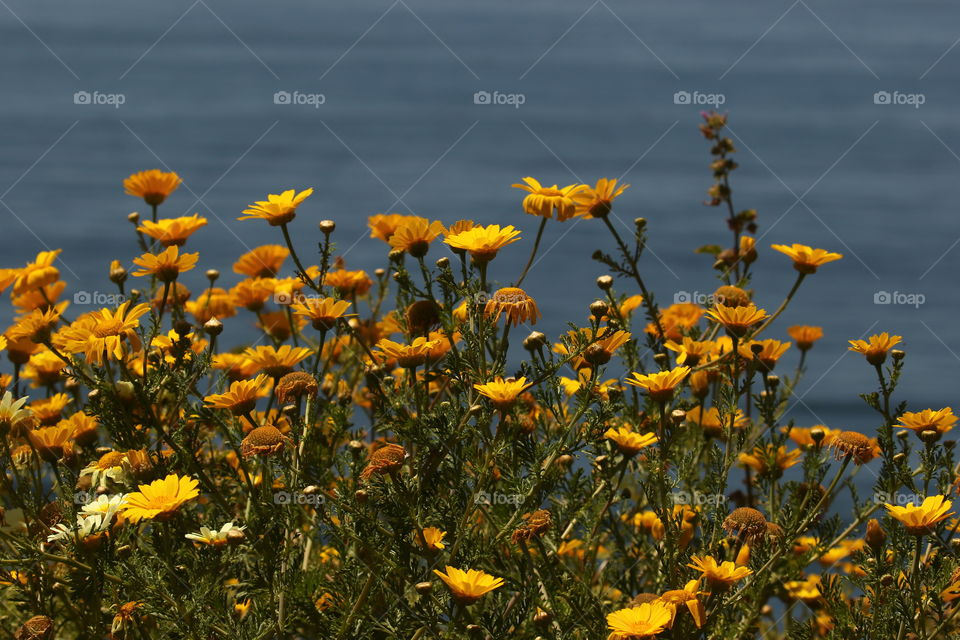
(844, 116)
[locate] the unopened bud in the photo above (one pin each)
(361, 496)
(876, 537)
(897, 354)
(534, 341)
(678, 416)
(134, 217)
(327, 226)
(773, 380)
(213, 327)
(929, 436)
(605, 282)
(212, 275)
(640, 223)
(423, 588)
(443, 263)
(598, 308)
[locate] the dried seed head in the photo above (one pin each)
(36, 628)
(747, 522)
(731, 296)
(262, 441)
(387, 459)
(296, 385)
(642, 598)
(855, 445)
(422, 316)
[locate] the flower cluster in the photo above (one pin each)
(385, 457)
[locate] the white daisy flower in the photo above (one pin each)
(214, 538)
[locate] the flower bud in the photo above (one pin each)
(424, 588)
(443, 263)
(897, 355)
(213, 327)
(605, 282)
(212, 275)
(134, 218)
(876, 537)
(327, 226)
(598, 308)
(534, 341)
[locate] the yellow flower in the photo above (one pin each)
(277, 209)
(384, 225)
(770, 352)
(35, 275)
(408, 356)
(348, 283)
(433, 538)
(415, 234)
(543, 201)
(172, 231)
(711, 424)
(154, 186)
(720, 575)
(160, 499)
(763, 459)
(252, 293)
(515, 302)
(483, 243)
(689, 597)
(102, 333)
(468, 586)
(502, 393)
(805, 335)
(214, 302)
(166, 266)
(45, 368)
(661, 385)
(807, 590)
(51, 443)
(276, 362)
(691, 352)
(598, 201)
(602, 350)
(737, 320)
(35, 326)
(806, 259)
(875, 350)
(629, 442)
(923, 518)
(240, 398)
(640, 622)
(262, 262)
(323, 312)
(676, 318)
(939, 421)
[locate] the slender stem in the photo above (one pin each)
(533, 253)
